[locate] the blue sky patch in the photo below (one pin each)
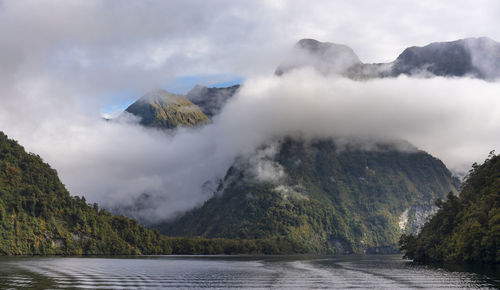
(181, 85)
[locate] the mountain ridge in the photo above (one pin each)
(472, 57)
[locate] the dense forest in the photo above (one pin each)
(330, 199)
(38, 216)
(466, 228)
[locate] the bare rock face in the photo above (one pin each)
(415, 216)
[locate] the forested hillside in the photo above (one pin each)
(328, 200)
(466, 228)
(38, 215)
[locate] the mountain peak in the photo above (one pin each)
(326, 57)
(162, 109)
(315, 46)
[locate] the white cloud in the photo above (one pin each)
(115, 162)
(61, 61)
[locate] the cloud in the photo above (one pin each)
(100, 48)
(115, 163)
(454, 119)
(61, 62)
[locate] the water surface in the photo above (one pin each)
(283, 272)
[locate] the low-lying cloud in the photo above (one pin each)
(114, 163)
(454, 119)
(63, 61)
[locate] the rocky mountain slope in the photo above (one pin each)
(161, 109)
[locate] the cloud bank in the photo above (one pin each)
(114, 163)
(61, 62)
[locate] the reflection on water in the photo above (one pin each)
(286, 272)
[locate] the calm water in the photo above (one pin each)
(384, 272)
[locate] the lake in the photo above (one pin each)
(285, 272)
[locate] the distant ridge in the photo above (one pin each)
(326, 57)
(476, 57)
(469, 57)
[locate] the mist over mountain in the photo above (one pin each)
(153, 176)
(470, 57)
(326, 57)
(307, 104)
(329, 198)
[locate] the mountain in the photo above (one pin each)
(326, 57)
(472, 57)
(323, 197)
(211, 100)
(466, 228)
(161, 109)
(475, 57)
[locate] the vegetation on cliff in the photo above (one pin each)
(466, 228)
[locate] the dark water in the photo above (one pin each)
(382, 272)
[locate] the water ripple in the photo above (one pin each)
(380, 272)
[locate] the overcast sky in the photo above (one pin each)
(63, 62)
(103, 48)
